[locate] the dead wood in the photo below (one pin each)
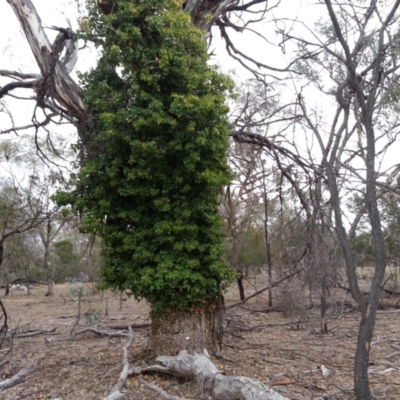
(264, 310)
(160, 392)
(115, 393)
(17, 378)
(115, 396)
(270, 286)
(85, 330)
(126, 327)
(4, 327)
(392, 292)
(383, 289)
(33, 333)
(212, 382)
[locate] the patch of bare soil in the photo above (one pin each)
(282, 351)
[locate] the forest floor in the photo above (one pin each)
(281, 351)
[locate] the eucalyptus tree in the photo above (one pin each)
(153, 137)
(152, 125)
(350, 57)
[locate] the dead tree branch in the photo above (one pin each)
(160, 392)
(115, 392)
(270, 286)
(85, 330)
(17, 378)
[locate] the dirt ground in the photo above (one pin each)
(283, 352)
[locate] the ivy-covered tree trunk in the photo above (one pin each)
(153, 164)
(153, 130)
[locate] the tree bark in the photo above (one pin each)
(366, 105)
(201, 328)
(239, 280)
(50, 287)
(266, 238)
(55, 80)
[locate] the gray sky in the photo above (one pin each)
(16, 54)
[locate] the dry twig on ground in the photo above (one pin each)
(115, 393)
(85, 330)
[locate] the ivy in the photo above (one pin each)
(154, 162)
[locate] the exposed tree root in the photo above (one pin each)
(17, 378)
(212, 382)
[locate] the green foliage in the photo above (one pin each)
(66, 261)
(363, 247)
(252, 250)
(154, 163)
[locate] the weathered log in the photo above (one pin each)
(17, 378)
(212, 382)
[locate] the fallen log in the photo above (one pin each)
(17, 378)
(213, 383)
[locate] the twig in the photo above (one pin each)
(133, 326)
(160, 392)
(270, 286)
(93, 330)
(34, 333)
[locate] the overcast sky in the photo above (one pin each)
(16, 54)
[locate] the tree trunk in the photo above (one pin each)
(266, 238)
(49, 269)
(200, 329)
(239, 280)
(193, 331)
(7, 282)
(50, 287)
(7, 291)
(324, 292)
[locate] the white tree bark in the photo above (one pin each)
(211, 381)
(55, 79)
(17, 378)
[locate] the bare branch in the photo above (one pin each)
(115, 392)
(160, 392)
(17, 378)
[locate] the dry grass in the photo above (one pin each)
(278, 354)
